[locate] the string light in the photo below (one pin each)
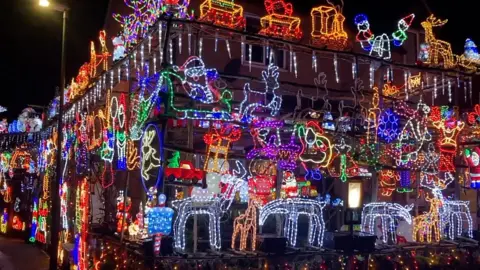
(213, 207)
(120, 134)
(379, 46)
(270, 80)
(314, 61)
(218, 143)
(293, 208)
(246, 225)
(372, 75)
(449, 131)
(327, 27)
(133, 160)
(279, 22)
(4, 221)
(388, 213)
(387, 128)
(200, 49)
(343, 153)
(388, 182)
(437, 49)
(470, 59)
(228, 49)
(335, 65)
(316, 148)
(150, 159)
(428, 223)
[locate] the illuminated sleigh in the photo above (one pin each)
(470, 59)
(327, 28)
(279, 22)
(223, 13)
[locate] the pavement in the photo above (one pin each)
(15, 254)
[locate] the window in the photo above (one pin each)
(260, 55)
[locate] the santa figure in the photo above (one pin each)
(472, 157)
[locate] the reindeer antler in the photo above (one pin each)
(435, 21)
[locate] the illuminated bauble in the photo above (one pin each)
(388, 125)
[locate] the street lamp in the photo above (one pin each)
(58, 175)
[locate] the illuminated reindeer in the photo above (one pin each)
(270, 79)
(246, 224)
(428, 223)
(437, 48)
(214, 207)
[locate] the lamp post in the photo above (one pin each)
(55, 209)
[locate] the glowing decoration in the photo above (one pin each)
(327, 27)
(107, 150)
(17, 224)
(416, 129)
(142, 104)
(150, 158)
(449, 131)
(388, 182)
(415, 81)
(123, 212)
(218, 144)
(248, 107)
(42, 232)
(34, 227)
(292, 209)
(390, 90)
(223, 13)
(262, 187)
(133, 159)
(379, 46)
(316, 147)
(118, 48)
(373, 114)
(80, 252)
(388, 126)
(245, 225)
(16, 205)
(289, 185)
(389, 213)
(214, 207)
(428, 223)
(472, 157)
(207, 93)
(7, 197)
(185, 172)
(439, 51)
(121, 138)
(4, 221)
(347, 166)
(160, 222)
(279, 22)
(470, 59)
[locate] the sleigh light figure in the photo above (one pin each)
(223, 13)
(279, 22)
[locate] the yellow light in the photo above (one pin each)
(223, 13)
(354, 194)
(428, 223)
(44, 3)
(437, 49)
(279, 22)
(327, 27)
(246, 225)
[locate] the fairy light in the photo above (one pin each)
(4, 221)
(228, 49)
(133, 159)
(180, 44)
(295, 64)
(405, 78)
(314, 61)
(335, 65)
(354, 71)
(81, 222)
(279, 22)
(245, 225)
(388, 125)
(449, 131)
(437, 49)
(292, 208)
(388, 182)
(389, 213)
(327, 27)
(270, 80)
(435, 87)
(120, 134)
(170, 48)
(449, 91)
(213, 207)
(200, 49)
(250, 58)
(372, 75)
(471, 89)
(443, 83)
(216, 41)
(190, 40)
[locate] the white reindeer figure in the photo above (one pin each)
(270, 79)
(214, 207)
(293, 208)
(387, 212)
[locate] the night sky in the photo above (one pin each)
(31, 38)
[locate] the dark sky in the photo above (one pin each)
(30, 38)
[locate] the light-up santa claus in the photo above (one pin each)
(472, 157)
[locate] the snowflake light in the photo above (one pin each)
(388, 125)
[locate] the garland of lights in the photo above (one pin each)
(120, 134)
(279, 22)
(388, 214)
(293, 208)
(327, 27)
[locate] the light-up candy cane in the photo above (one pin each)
(160, 220)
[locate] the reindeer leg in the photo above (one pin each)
(180, 244)
(384, 229)
(293, 231)
(394, 233)
(469, 221)
(311, 230)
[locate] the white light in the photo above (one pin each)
(335, 64)
(354, 194)
(44, 3)
(292, 208)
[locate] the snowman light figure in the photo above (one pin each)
(160, 220)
